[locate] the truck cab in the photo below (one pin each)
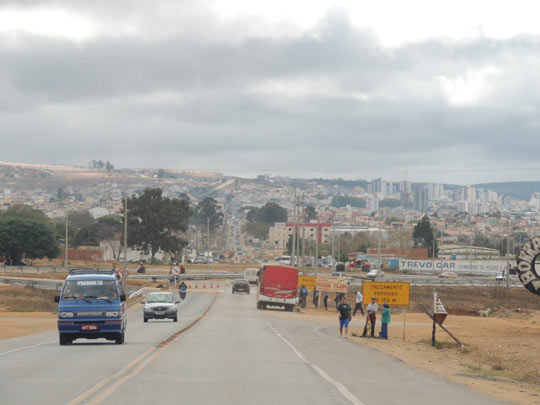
(91, 305)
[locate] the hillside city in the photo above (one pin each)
(346, 215)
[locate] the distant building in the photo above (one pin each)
(279, 234)
(420, 199)
(372, 204)
(458, 252)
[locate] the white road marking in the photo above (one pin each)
(27, 347)
(341, 388)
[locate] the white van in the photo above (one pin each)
(251, 275)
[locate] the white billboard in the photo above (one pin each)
(481, 267)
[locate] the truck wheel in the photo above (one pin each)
(145, 319)
(119, 338)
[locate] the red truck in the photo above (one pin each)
(278, 286)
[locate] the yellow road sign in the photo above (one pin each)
(397, 294)
(332, 284)
(309, 281)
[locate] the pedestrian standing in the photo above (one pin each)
(325, 300)
(359, 306)
(344, 310)
(316, 298)
(385, 320)
(372, 309)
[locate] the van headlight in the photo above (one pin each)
(111, 314)
(66, 314)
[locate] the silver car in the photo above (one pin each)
(160, 305)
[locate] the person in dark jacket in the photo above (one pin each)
(344, 310)
(316, 298)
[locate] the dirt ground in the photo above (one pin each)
(501, 355)
(16, 324)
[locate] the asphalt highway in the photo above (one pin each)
(233, 354)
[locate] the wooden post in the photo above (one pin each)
(433, 332)
(404, 320)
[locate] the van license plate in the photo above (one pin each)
(89, 327)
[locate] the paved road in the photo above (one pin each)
(236, 354)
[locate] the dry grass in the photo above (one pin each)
(26, 299)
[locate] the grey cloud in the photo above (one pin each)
(182, 103)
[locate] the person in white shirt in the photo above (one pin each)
(372, 309)
(358, 306)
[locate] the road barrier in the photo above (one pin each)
(206, 286)
(42, 284)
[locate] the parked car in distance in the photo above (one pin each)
(375, 273)
(499, 277)
(240, 285)
(160, 305)
(448, 274)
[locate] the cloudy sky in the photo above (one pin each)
(420, 90)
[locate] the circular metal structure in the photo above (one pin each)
(529, 275)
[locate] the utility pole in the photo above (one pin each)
(433, 253)
(124, 278)
(379, 249)
(507, 255)
(333, 245)
(293, 247)
(208, 243)
(338, 248)
(317, 247)
(303, 237)
(66, 243)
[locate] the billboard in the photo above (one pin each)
(459, 266)
(397, 294)
(332, 284)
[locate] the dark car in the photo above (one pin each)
(240, 285)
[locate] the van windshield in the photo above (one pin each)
(90, 289)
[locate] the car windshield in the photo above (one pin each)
(240, 282)
(90, 289)
(159, 298)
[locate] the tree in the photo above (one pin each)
(87, 236)
(260, 219)
(310, 213)
(25, 212)
(207, 210)
(269, 213)
(80, 218)
(423, 235)
(29, 238)
(156, 223)
(107, 229)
